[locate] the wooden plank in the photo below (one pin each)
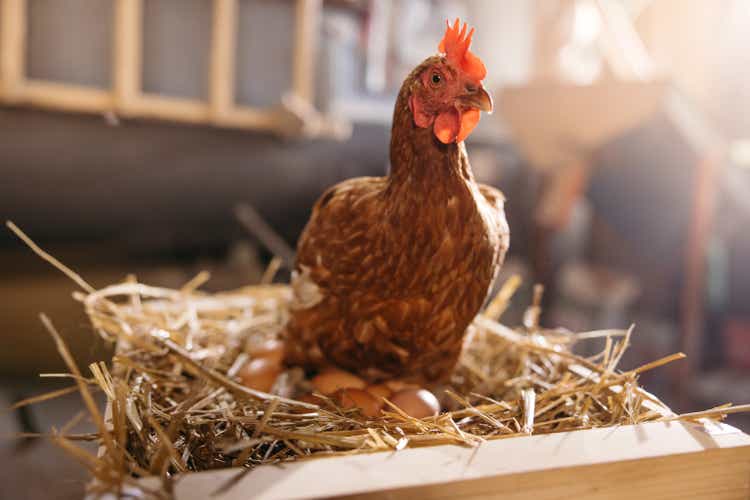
(654, 460)
(169, 108)
(126, 68)
(710, 475)
(12, 48)
(223, 42)
(65, 97)
(622, 47)
(307, 19)
(152, 106)
(247, 117)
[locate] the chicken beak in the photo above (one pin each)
(476, 97)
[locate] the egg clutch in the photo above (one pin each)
(346, 389)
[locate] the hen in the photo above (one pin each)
(392, 270)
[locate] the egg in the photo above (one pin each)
(368, 404)
(379, 391)
(260, 374)
(272, 349)
(417, 403)
(332, 380)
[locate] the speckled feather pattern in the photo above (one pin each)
(392, 270)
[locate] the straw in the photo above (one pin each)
(176, 403)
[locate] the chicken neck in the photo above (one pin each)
(422, 166)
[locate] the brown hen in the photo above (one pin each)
(392, 270)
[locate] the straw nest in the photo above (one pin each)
(175, 403)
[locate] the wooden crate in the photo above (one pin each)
(673, 460)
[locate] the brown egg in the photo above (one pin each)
(379, 391)
(417, 403)
(272, 349)
(368, 404)
(260, 374)
(332, 380)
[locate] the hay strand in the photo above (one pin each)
(176, 403)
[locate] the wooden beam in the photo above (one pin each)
(251, 118)
(623, 48)
(307, 19)
(223, 42)
(12, 48)
(127, 62)
(65, 97)
(653, 460)
(170, 108)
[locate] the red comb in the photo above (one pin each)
(455, 45)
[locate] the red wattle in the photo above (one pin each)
(469, 120)
(447, 126)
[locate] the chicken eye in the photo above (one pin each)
(436, 78)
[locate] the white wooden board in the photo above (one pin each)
(654, 460)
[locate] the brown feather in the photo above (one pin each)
(392, 270)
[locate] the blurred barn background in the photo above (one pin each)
(130, 130)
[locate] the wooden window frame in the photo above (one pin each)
(294, 116)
